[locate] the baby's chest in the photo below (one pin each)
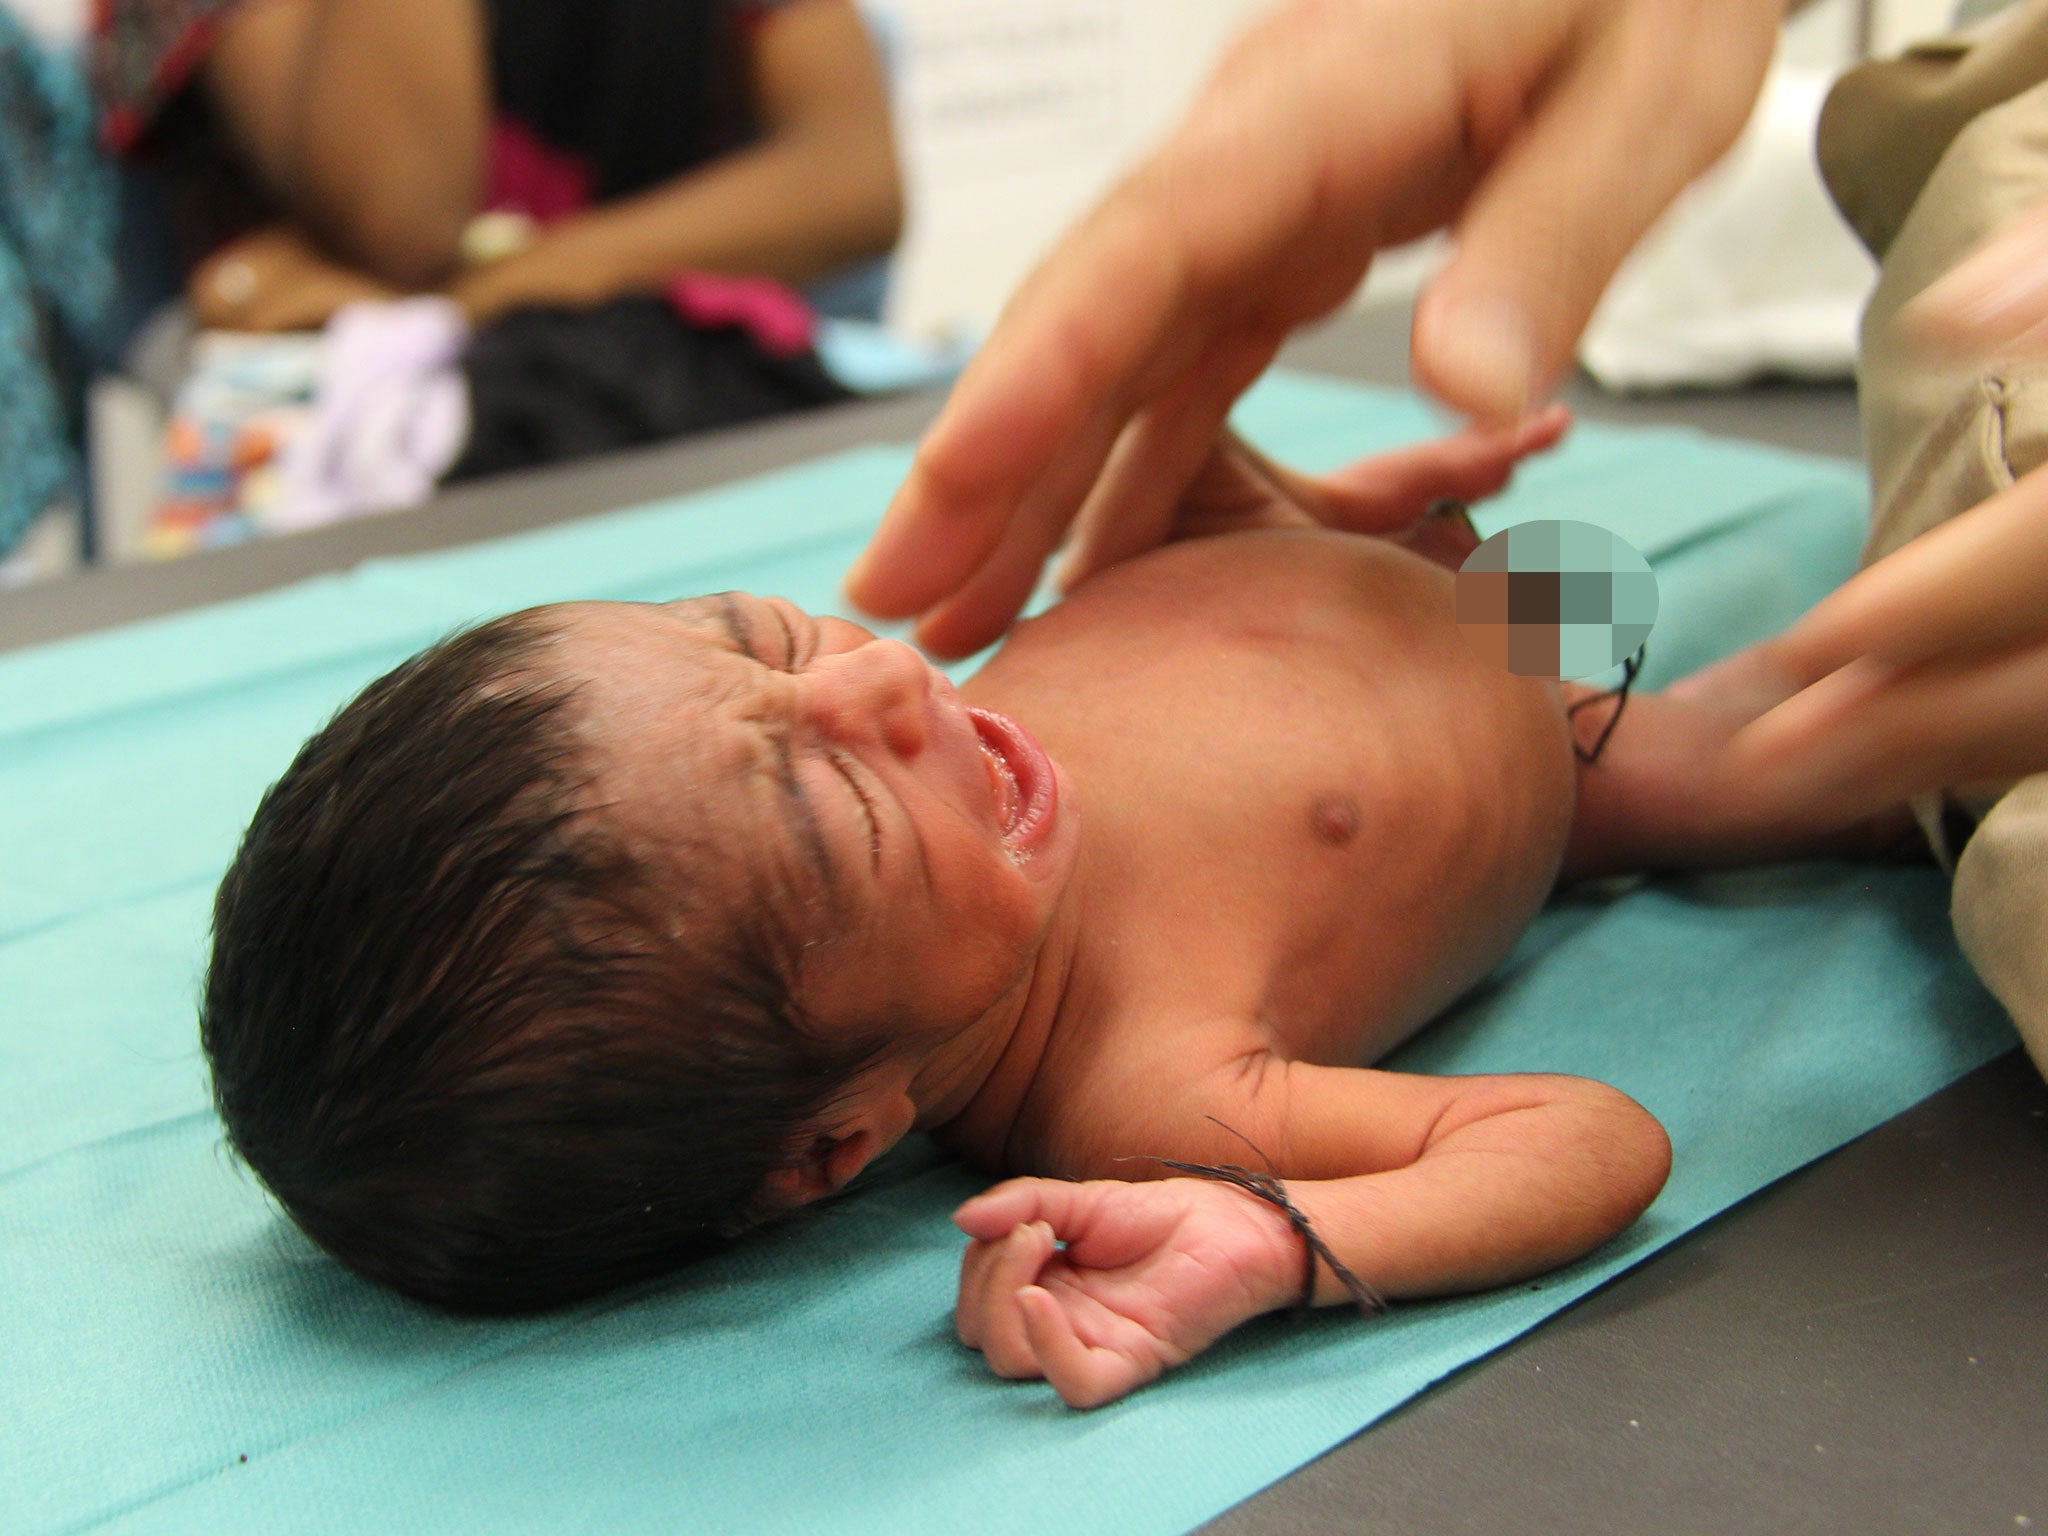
(1278, 907)
(1296, 858)
(1280, 757)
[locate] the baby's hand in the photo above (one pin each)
(1239, 487)
(1151, 1274)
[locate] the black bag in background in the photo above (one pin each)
(547, 385)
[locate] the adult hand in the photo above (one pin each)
(1549, 133)
(1993, 301)
(276, 280)
(1926, 670)
(1663, 794)
(565, 267)
(1151, 1274)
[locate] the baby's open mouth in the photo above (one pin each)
(1020, 779)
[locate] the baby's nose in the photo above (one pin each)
(883, 687)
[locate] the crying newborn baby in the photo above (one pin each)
(594, 936)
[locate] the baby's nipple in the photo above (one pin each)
(1333, 819)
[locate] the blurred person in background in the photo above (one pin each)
(317, 152)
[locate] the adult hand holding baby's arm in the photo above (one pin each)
(1926, 670)
(1667, 790)
(1151, 1275)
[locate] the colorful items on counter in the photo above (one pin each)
(390, 414)
(278, 434)
(242, 402)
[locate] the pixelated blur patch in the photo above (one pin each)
(1559, 599)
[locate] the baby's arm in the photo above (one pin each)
(1420, 1186)
(1239, 488)
(1661, 796)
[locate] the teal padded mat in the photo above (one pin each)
(174, 1358)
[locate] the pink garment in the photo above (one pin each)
(777, 316)
(530, 176)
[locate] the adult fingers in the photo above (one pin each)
(306, 309)
(1757, 678)
(989, 601)
(1133, 505)
(1978, 582)
(1045, 399)
(1381, 494)
(1869, 735)
(984, 604)
(1644, 104)
(1995, 299)
(1208, 228)
(1084, 1376)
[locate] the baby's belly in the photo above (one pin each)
(1340, 926)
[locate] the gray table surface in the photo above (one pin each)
(1862, 1348)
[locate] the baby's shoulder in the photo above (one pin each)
(1138, 1086)
(1253, 554)
(1207, 590)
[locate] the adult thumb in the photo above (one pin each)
(1604, 151)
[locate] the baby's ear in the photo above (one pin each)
(823, 1158)
(824, 1167)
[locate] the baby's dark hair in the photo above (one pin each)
(461, 1035)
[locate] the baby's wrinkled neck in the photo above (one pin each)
(980, 1081)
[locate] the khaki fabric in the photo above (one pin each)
(1886, 124)
(2001, 908)
(1927, 156)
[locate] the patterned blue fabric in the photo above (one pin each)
(58, 213)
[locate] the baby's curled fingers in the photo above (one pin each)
(1105, 1223)
(1063, 1205)
(974, 1265)
(1010, 1265)
(1083, 1375)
